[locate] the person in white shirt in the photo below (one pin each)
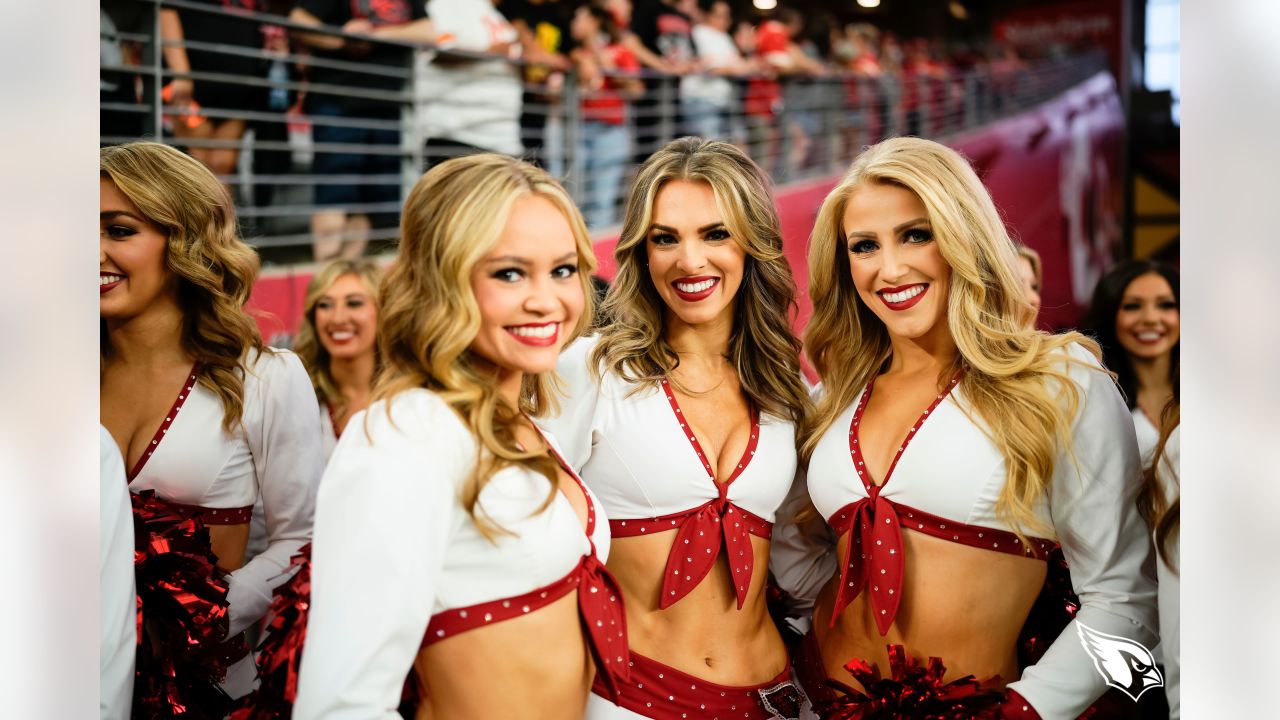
(463, 104)
(707, 97)
(208, 418)
(681, 416)
(451, 540)
(117, 607)
(1134, 315)
(1160, 503)
(951, 449)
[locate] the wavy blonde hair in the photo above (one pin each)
(429, 317)
(762, 347)
(308, 346)
(214, 267)
(1015, 378)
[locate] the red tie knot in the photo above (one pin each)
(873, 493)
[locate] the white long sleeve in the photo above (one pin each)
(573, 425)
(800, 561)
(387, 507)
(118, 630)
(287, 460)
(1106, 544)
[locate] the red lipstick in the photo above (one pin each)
(905, 304)
(700, 294)
(536, 340)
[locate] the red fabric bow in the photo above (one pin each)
(600, 604)
(697, 545)
(874, 557)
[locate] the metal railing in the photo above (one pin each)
(795, 128)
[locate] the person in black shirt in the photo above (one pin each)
(335, 231)
(543, 27)
(661, 38)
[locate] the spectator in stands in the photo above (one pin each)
(780, 56)
(707, 98)
(336, 230)
(604, 142)
(545, 41)
(216, 110)
(662, 39)
(121, 86)
(464, 104)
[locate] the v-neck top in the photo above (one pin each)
(395, 547)
(946, 481)
(272, 454)
(633, 448)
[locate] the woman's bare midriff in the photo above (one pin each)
(534, 667)
(963, 604)
(229, 543)
(703, 634)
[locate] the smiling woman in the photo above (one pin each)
(448, 523)
(681, 414)
(1134, 316)
(209, 419)
(338, 341)
(951, 450)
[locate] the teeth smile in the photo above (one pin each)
(534, 331)
(694, 287)
(903, 296)
(342, 335)
(1149, 336)
(108, 279)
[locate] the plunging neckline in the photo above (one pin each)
(747, 454)
(169, 417)
(855, 448)
(586, 496)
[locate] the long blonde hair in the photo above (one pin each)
(1010, 370)
(214, 267)
(429, 316)
(308, 346)
(762, 347)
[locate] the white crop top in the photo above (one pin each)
(952, 472)
(637, 458)
(273, 454)
(394, 547)
(644, 463)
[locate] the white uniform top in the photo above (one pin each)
(1148, 435)
(952, 470)
(328, 435)
(274, 453)
(1170, 586)
(633, 452)
(394, 546)
(117, 607)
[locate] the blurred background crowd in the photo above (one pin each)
(318, 115)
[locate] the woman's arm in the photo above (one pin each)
(288, 460)
(387, 507)
(1106, 544)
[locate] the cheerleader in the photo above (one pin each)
(338, 341)
(1134, 316)
(681, 416)
(1160, 503)
(950, 449)
(451, 539)
(208, 418)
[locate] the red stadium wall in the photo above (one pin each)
(1054, 172)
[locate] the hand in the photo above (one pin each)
(181, 92)
(358, 26)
